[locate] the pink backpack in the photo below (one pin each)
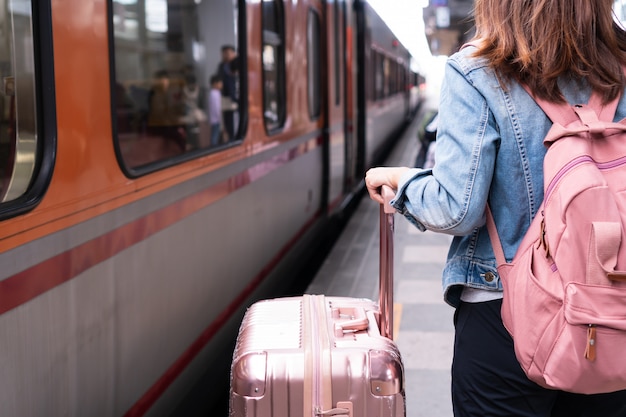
(565, 290)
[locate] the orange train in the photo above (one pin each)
(164, 163)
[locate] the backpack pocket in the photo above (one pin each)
(587, 356)
(532, 298)
(598, 305)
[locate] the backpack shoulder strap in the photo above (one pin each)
(605, 112)
(496, 244)
(564, 113)
(561, 113)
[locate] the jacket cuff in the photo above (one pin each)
(399, 200)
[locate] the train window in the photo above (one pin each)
(393, 73)
(314, 63)
(394, 78)
(404, 77)
(386, 75)
(18, 102)
(273, 57)
(398, 78)
(379, 76)
(177, 90)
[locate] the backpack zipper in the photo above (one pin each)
(542, 239)
(590, 350)
(577, 161)
(564, 170)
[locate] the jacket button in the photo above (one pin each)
(489, 276)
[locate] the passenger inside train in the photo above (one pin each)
(214, 108)
(227, 70)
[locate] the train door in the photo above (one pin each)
(338, 174)
(317, 81)
(361, 58)
(405, 86)
(349, 77)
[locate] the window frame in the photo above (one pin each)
(45, 108)
(136, 172)
(280, 66)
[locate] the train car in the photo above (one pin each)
(164, 164)
(384, 94)
(417, 90)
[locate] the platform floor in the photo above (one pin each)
(423, 321)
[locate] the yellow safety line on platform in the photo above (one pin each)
(397, 315)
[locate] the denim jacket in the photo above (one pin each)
(489, 150)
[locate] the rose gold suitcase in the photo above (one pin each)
(314, 355)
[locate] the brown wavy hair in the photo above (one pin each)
(535, 42)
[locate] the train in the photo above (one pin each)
(165, 163)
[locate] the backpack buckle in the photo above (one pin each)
(589, 118)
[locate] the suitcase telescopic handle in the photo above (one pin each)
(385, 293)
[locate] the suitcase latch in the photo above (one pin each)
(355, 320)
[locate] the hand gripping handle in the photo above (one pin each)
(385, 293)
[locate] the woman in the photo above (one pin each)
(489, 149)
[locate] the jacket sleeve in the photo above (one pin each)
(451, 198)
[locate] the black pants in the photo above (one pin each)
(487, 380)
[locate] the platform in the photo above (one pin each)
(423, 321)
